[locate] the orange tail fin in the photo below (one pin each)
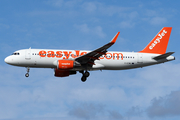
(159, 43)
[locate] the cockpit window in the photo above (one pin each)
(15, 53)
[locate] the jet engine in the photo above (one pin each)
(67, 64)
(63, 73)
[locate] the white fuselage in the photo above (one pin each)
(113, 60)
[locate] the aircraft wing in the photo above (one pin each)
(88, 59)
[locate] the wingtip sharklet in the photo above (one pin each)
(115, 38)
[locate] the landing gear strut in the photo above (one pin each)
(85, 75)
(27, 74)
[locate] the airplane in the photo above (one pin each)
(69, 62)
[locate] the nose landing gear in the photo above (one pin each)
(27, 74)
(85, 75)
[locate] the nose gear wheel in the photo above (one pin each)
(27, 74)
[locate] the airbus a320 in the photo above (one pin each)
(69, 62)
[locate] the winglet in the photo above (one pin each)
(115, 38)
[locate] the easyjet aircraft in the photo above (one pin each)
(68, 62)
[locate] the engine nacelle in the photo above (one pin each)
(66, 64)
(63, 73)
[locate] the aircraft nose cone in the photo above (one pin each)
(7, 60)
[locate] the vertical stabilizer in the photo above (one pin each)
(159, 43)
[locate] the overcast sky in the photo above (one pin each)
(150, 93)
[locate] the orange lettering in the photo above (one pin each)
(77, 52)
(118, 56)
(108, 58)
(75, 55)
(102, 57)
(42, 53)
(58, 54)
(66, 54)
(50, 54)
(83, 53)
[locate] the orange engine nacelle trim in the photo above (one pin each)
(65, 64)
(63, 73)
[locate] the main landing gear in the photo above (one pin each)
(85, 75)
(27, 74)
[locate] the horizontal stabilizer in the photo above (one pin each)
(163, 56)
